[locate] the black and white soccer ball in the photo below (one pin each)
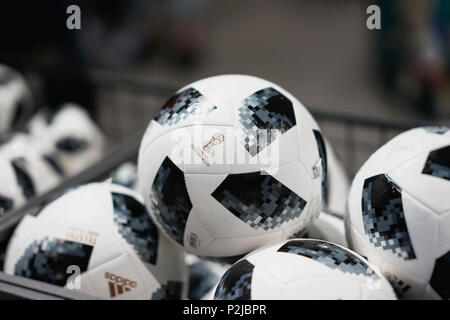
(15, 186)
(399, 212)
(69, 136)
(43, 168)
(231, 163)
(22, 179)
(303, 269)
(16, 102)
(24, 173)
(105, 232)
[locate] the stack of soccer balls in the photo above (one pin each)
(234, 170)
(234, 164)
(54, 145)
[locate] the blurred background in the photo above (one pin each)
(130, 55)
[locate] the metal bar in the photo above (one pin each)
(13, 287)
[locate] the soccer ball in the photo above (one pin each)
(16, 101)
(69, 136)
(338, 184)
(329, 227)
(21, 180)
(14, 188)
(399, 212)
(303, 269)
(24, 173)
(231, 163)
(105, 232)
(23, 152)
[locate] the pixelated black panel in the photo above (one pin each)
(440, 279)
(72, 144)
(172, 290)
(23, 178)
(6, 204)
(264, 116)
(259, 200)
(438, 163)
(136, 226)
(236, 283)
(330, 255)
(48, 259)
(323, 157)
(437, 129)
(183, 105)
(169, 200)
(384, 218)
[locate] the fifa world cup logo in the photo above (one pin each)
(205, 151)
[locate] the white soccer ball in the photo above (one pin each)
(105, 232)
(13, 187)
(23, 152)
(69, 136)
(303, 269)
(231, 163)
(24, 173)
(399, 212)
(16, 101)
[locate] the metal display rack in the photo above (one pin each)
(143, 101)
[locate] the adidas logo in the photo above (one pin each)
(118, 285)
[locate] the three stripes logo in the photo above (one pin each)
(118, 285)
